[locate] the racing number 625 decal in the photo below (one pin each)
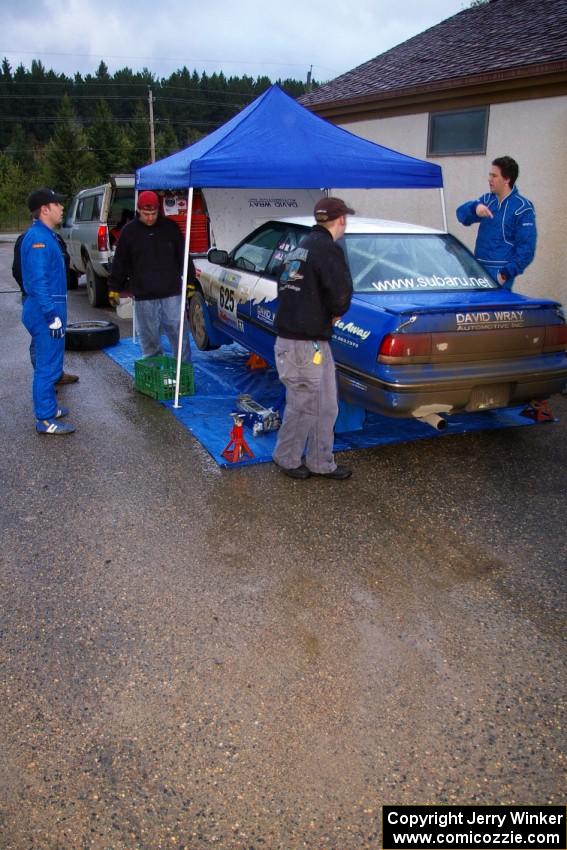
(226, 299)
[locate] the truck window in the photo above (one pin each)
(88, 208)
(121, 206)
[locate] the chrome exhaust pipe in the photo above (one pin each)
(437, 422)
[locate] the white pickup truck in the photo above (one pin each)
(88, 231)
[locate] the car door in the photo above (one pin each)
(233, 289)
(83, 233)
(263, 303)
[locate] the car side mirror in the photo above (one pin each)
(219, 258)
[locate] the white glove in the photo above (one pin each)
(56, 328)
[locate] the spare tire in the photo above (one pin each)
(91, 336)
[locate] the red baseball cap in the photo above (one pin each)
(148, 199)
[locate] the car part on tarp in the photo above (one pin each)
(257, 362)
(91, 336)
(540, 411)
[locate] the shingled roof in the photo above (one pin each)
(491, 41)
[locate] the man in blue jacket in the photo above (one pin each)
(66, 377)
(44, 310)
(506, 240)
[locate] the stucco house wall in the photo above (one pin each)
(534, 132)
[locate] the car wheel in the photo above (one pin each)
(198, 322)
(72, 279)
(91, 336)
(97, 289)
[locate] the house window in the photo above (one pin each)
(460, 131)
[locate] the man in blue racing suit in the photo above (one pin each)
(506, 240)
(44, 311)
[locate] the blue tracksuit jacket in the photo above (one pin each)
(507, 242)
(45, 286)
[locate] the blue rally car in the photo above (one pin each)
(428, 333)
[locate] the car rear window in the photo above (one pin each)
(386, 262)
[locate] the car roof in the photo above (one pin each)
(358, 224)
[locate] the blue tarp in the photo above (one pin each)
(220, 376)
(276, 141)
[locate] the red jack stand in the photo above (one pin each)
(237, 445)
(256, 362)
(540, 411)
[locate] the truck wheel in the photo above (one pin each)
(91, 336)
(72, 279)
(97, 289)
(198, 323)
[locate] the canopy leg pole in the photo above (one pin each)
(443, 210)
(183, 296)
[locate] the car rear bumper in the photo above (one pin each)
(416, 391)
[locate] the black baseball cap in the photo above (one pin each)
(328, 209)
(39, 197)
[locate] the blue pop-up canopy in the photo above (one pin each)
(277, 142)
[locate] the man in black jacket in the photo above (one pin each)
(149, 263)
(314, 290)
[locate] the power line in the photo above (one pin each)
(137, 98)
(132, 85)
(23, 119)
(224, 60)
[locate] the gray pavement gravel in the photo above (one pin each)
(195, 657)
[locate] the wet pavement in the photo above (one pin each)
(195, 657)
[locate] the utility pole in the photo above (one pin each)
(152, 135)
(308, 85)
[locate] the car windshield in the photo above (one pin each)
(394, 262)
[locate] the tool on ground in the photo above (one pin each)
(257, 417)
(236, 446)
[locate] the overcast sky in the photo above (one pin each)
(254, 37)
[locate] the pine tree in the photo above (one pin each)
(21, 149)
(13, 192)
(69, 164)
(6, 75)
(105, 143)
(140, 137)
(166, 141)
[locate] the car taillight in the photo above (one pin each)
(102, 238)
(555, 338)
(403, 346)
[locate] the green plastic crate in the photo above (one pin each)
(155, 376)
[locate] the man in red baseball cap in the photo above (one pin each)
(149, 263)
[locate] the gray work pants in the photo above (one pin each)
(311, 406)
(157, 316)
